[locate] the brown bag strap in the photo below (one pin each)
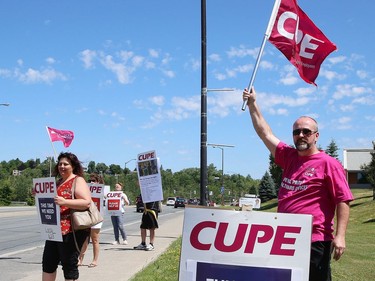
(71, 223)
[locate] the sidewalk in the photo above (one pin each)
(121, 262)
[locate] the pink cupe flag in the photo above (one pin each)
(298, 38)
(61, 135)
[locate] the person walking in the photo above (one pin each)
(149, 222)
(94, 232)
(118, 220)
(69, 172)
(312, 183)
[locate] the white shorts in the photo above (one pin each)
(97, 226)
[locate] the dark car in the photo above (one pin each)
(180, 202)
(193, 201)
(139, 204)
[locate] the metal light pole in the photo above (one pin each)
(204, 90)
(203, 147)
(127, 163)
(221, 146)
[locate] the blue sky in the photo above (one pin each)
(124, 76)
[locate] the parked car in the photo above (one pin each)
(180, 202)
(170, 201)
(193, 201)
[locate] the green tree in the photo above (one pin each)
(267, 188)
(5, 193)
(332, 150)
(276, 173)
(91, 167)
(115, 169)
(253, 190)
(101, 168)
(369, 171)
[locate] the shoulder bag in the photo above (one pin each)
(82, 219)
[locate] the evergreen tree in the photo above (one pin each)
(253, 190)
(276, 173)
(267, 188)
(332, 150)
(369, 171)
(91, 167)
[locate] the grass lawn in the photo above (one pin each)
(357, 264)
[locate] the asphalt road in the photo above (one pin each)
(20, 236)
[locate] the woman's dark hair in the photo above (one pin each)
(73, 160)
(96, 178)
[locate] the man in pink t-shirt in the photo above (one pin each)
(312, 183)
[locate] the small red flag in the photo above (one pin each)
(61, 135)
(298, 38)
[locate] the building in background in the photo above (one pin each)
(354, 159)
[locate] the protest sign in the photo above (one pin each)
(236, 245)
(148, 169)
(49, 213)
(113, 203)
(97, 195)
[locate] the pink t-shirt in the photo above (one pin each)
(313, 185)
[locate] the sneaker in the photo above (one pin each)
(124, 242)
(140, 247)
(149, 247)
(116, 242)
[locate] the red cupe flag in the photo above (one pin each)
(61, 135)
(298, 38)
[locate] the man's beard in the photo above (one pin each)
(302, 145)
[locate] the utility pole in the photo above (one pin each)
(221, 147)
(203, 147)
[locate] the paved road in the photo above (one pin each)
(21, 247)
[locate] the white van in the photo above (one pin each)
(170, 201)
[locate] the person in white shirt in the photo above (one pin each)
(118, 221)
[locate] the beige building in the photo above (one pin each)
(354, 158)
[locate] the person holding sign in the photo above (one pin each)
(312, 183)
(94, 232)
(118, 219)
(69, 172)
(150, 222)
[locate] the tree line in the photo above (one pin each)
(16, 179)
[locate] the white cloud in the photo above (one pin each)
(214, 57)
(153, 53)
(169, 73)
(158, 100)
(242, 52)
(50, 60)
(289, 79)
(35, 76)
(87, 56)
(348, 90)
(121, 71)
(305, 91)
(362, 74)
(266, 65)
(336, 60)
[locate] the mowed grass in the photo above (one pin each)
(357, 264)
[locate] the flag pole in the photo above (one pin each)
(265, 38)
(54, 151)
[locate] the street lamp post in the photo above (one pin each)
(204, 90)
(127, 163)
(221, 147)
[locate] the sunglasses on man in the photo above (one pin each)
(305, 132)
